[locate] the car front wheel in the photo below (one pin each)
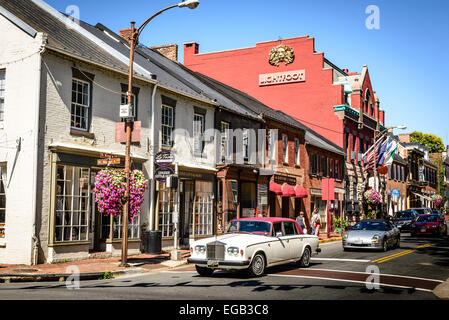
(257, 267)
(305, 259)
(203, 271)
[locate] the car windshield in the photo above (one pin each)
(369, 226)
(428, 218)
(249, 226)
(422, 211)
(404, 214)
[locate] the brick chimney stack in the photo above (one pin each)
(170, 51)
(125, 34)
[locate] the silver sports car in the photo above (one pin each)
(372, 234)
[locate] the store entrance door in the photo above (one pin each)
(186, 212)
(99, 224)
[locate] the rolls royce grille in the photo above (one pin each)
(215, 251)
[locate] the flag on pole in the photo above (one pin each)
(383, 151)
(389, 157)
(369, 157)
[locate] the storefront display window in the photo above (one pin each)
(231, 202)
(248, 200)
(72, 204)
(166, 208)
(203, 208)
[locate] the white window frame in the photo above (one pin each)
(297, 152)
(225, 128)
(166, 207)
(133, 228)
(284, 148)
(168, 126)
(203, 209)
(199, 121)
(67, 207)
(77, 104)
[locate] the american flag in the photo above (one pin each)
(371, 157)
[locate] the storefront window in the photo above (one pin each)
(231, 202)
(248, 201)
(318, 203)
(72, 204)
(133, 228)
(166, 208)
(203, 208)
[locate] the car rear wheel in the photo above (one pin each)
(257, 267)
(305, 259)
(204, 272)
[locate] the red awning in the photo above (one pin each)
(288, 190)
(276, 188)
(301, 192)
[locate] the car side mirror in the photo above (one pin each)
(278, 234)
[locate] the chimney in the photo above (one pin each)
(170, 51)
(190, 49)
(125, 34)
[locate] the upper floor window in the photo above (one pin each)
(81, 91)
(198, 132)
(225, 131)
(297, 157)
(2, 95)
(167, 125)
(285, 148)
(246, 142)
(2, 200)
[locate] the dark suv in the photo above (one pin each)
(404, 219)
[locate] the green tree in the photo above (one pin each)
(433, 142)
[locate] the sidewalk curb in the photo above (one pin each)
(62, 277)
(330, 240)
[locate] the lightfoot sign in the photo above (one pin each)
(271, 79)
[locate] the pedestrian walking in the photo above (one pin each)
(300, 220)
(316, 222)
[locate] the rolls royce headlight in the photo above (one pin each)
(200, 249)
(233, 251)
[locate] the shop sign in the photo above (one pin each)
(108, 162)
(284, 179)
(279, 78)
(164, 158)
(163, 173)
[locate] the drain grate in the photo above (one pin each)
(25, 270)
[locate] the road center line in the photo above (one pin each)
(342, 260)
(403, 253)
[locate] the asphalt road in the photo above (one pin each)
(409, 272)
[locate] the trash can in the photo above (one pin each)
(153, 242)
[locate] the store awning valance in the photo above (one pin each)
(276, 188)
(301, 192)
(288, 190)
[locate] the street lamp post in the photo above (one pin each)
(134, 41)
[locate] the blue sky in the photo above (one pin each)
(407, 57)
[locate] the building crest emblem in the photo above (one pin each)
(281, 53)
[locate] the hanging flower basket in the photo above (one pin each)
(372, 197)
(438, 200)
(110, 186)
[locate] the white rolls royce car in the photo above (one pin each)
(254, 244)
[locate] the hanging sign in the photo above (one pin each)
(163, 173)
(164, 158)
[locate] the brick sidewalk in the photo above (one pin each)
(144, 262)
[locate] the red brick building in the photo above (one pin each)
(289, 75)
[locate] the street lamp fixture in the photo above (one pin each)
(134, 41)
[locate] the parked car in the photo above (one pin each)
(422, 210)
(254, 244)
(429, 224)
(404, 219)
(372, 234)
